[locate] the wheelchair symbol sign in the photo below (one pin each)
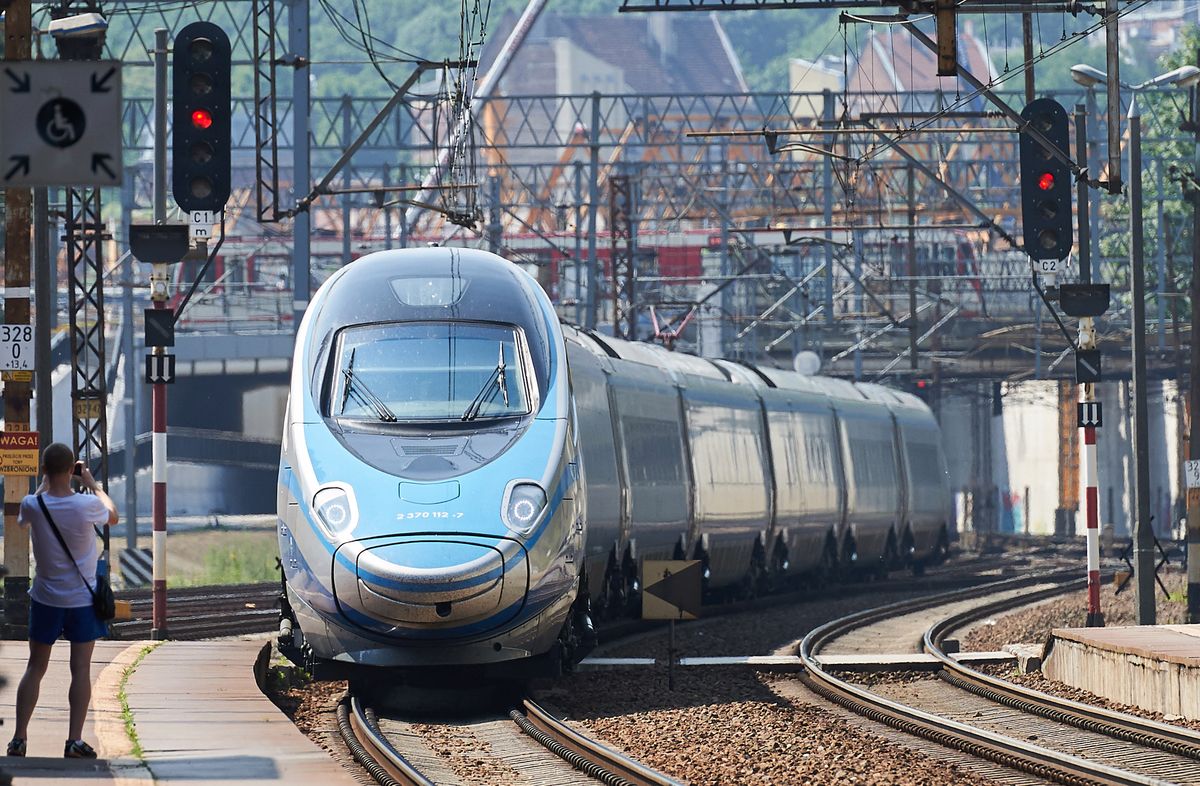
(61, 122)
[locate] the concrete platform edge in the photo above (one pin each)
(113, 739)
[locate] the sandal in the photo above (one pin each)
(16, 747)
(78, 749)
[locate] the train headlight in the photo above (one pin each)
(336, 510)
(523, 507)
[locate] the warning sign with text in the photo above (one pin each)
(18, 453)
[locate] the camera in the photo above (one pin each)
(78, 471)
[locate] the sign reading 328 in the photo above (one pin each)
(16, 347)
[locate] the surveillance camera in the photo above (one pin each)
(78, 25)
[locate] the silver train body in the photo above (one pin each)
(464, 480)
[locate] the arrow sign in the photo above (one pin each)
(20, 166)
(671, 589)
(1090, 414)
(100, 83)
(22, 83)
(100, 161)
(160, 369)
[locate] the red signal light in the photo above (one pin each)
(921, 383)
(202, 118)
(1046, 181)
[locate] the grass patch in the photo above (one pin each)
(219, 555)
(126, 713)
(239, 565)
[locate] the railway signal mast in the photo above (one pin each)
(201, 143)
(1046, 216)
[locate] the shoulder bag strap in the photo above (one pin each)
(63, 543)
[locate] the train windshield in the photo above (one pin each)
(429, 371)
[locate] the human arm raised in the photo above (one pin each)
(91, 485)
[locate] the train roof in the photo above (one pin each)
(759, 378)
(432, 285)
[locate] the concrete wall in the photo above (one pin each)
(1006, 466)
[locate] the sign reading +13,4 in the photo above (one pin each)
(16, 347)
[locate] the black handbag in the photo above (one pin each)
(103, 602)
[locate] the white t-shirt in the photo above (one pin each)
(57, 582)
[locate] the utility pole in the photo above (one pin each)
(132, 385)
(1027, 40)
(18, 30)
(1112, 46)
(1193, 495)
(387, 210)
(578, 261)
(347, 181)
(593, 207)
(44, 305)
(1160, 258)
(827, 111)
(298, 38)
(1143, 534)
(913, 325)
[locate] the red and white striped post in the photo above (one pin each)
(1095, 617)
(158, 406)
(158, 400)
(1089, 420)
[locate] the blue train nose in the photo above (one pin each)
(434, 582)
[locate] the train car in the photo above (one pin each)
(465, 480)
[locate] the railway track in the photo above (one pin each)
(1042, 735)
(204, 612)
(396, 753)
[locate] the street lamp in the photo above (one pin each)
(1184, 76)
(1088, 76)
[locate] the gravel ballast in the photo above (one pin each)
(1034, 624)
(728, 725)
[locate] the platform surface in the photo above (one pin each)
(1168, 643)
(48, 729)
(1155, 667)
(200, 719)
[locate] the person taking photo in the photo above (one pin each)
(61, 595)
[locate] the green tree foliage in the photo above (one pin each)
(1167, 157)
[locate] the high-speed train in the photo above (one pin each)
(465, 480)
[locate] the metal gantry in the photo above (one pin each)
(831, 263)
(624, 267)
(85, 236)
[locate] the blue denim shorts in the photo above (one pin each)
(47, 623)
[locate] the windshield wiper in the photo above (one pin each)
(358, 389)
(497, 378)
(500, 375)
(347, 386)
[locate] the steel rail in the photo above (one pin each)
(371, 749)
(1163, 736)
(584, 753)
(1018, 754)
